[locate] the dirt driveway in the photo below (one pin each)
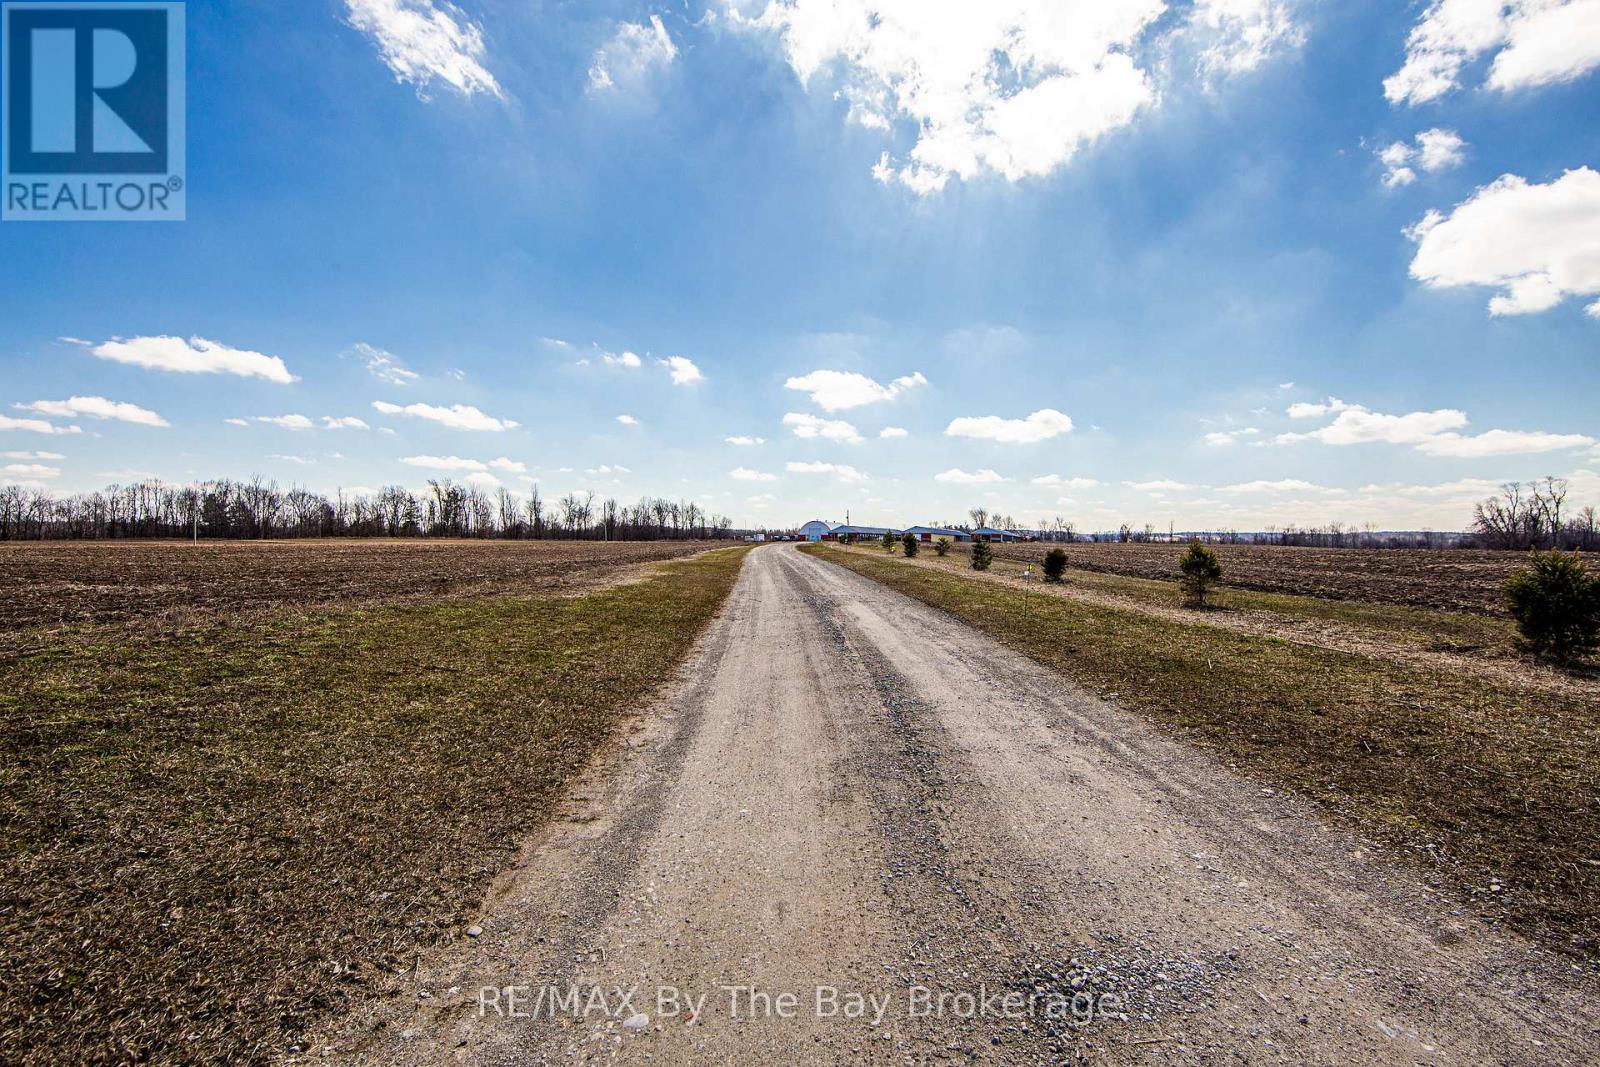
(944, 853)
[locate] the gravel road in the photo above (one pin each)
(945, 853)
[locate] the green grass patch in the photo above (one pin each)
(215, 834)
(1494, 783)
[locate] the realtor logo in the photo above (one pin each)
(93, 111)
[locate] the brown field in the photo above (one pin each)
(221, 823)
(55, 582)
(1466, 580)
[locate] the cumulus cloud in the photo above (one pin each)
(1538, 244)
(891, 432)
(194, 356)
(445, 463)
(36, 426)
(96, 407)
(31, 455)
(745, 474)
(957, 476)
(745, 441)
(1282, 485)
(682, 370)
(1058, 482)
(634, 52)
(384, 366)
(483, 480)
(1159, 485)
(1535, 42)
(627, 420)
(1434, 150)
(504, 463)
(815, 426)
(421, 40)
(630, 360)
(1040, 426)
(1013, 88)
(1433, 433)
(1224, 438)
(456, 416)
(839, 390)
(841, 471)
(345, 422)
(285, 422)
(1306, 410)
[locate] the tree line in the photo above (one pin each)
(259, 508)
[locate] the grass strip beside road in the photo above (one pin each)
(1493, 785)
(215, 834)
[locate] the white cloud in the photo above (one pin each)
(286, 422)
(1009, 87)
(444, 463)
(1040, 426)
(456, 416)
(841, 471)
(635, 51)
(891, 432)
(384, 366)
(839, 390)
(815, 426)
(1159, 485)
(30, 470)
(1501, 443)
(421, 40)
(1283, 485)
(1436, 149)
(682, 370)
(1240, 35)
(1304, 410)
(97, 407)
(957, 476)
(745, 441)
(1536, 42)
(303, 461)
(627, 420)
(1538, 243)
(237, 422)
(31, 455)
(745, 474)
(507, 464)
(483, 480)
(1224, 438)
(1356, 425)
(630, 360)
(194, 356)
(1056, 481)
(36, 426)
(345, 422)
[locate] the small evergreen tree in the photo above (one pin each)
(888, 541)
(981, 556)
(909, 545)
(1198, 570)
(1556, 603)
(1055, 564)
(941, 547)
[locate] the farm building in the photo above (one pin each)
(862, 532)
(933, 533)
(815, 530)
(989, 533)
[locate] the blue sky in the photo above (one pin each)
(1226, 263)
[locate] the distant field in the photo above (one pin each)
(1449, 580)
(264, 775)
(52, 582)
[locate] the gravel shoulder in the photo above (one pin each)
(848, 790)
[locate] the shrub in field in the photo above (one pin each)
(1556, 603)
(888, 541)
(1055, 564)
(981, 556)
(909, 545)
(941, 547)
(1198, 571)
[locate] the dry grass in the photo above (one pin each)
(1486, 784)
(55, 582)
(216, 831)
(1451, 580)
